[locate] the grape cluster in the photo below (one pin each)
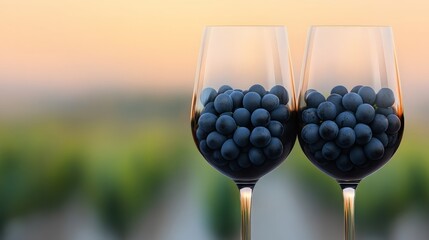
(349, 128)
(241, 129)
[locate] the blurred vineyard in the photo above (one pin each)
(119, 153)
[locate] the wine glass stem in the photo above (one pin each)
(349, 212)
(246, 204)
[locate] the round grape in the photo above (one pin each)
(346, 119)
(356, 88)
(217, 159)
(209, 108)
(379, 124)
(243, 160)
(326, 111)
(340, 90)
(351, 101)
(307, 93)
(242, 117)
(394, 124)
(223, 103)
(260, 117)
(357, 156)
(328, 130)
(310, 133)
(317, 146)
(252, 101)
(270, 102)
(281, 93)
(237, 99)
(241, 136)
(309, 115)
(392, 140)
(225, 124)
(233, 165)
(224, 88)
(276, 128)
(363, 133)
(367, 94)
(337, 100)
(201, 134)
(331, 151)
(281, 113)
(374, 150)
(207, 122)
(208, 95)
(260, 137)
(383, 138)
(346, 137)
(257, 88)
(274, 149)
(365, 113)
(314, 98)
(256, 156)
(385, 111)
(343, 163)
(215, 140)
(205, 150)
(385, 98)
(229, 150)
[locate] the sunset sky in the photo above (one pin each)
(76, 45)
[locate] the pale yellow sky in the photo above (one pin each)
(78, 44)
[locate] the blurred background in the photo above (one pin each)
(95, 139)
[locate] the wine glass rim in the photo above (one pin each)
(350, 26)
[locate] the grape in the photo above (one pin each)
(256, 156)
(229, 150)
(241, 117)
(363, 133)
(310, 133)
(218, 159)
(200, 134)
(226, 114)
(351, 101)
(346, 119)
(365, 113)
(327, 111)
(367, 94)
(276, 128)
(243, 160)
(357, 156)
(228, 92)
(394, 124)
(309, 115)
(281, 113)
(343, 163)
(223, 103)
(274, 149)
(392, 140)
(260, 137)
(379, 124)
(340, 90)
(237, 99)
(258, 89)
(328, 130)
(318, 156)
(314, 98)
(260, 117)
(251, 101)
(224, 88)
(215, 140)
(346, 137)
(374, 150)
(337, 100)
(385, 111)
(233, 165)
(241, 136)
(208, 95)
(383, 138)
(331, 151)
(356, 89)
(317, 146)
(385, 98)
(207, 122)
(281, 93)
(209, 108)
(225, 125)
(205, 150)
(270, 102)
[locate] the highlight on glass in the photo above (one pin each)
(350, 113)
(243, 113)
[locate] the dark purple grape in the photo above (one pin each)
(365, 113)
(326, 111)
(281, 113)
(242, 117)
(281, 93)
(229, 91)
(363, 133)
(237, 99)
(215, 140)
(346, 137)
(256, 156)
(374, 150)
(270, 102)
(383, 138)
(223, 103)
(257, 88)
(205, 150)
(310, 133)
(207, 122)
(385, 98)
(229, 150)
(217, 159)
(233, 165)
(394, 124)
(224, 88)
(241, 136)
(340, 90)
(317, 146)
(208, 95)
(243, 160)
(200, 134)
(331, 151)
(379, 124)
(328, 130)
(274, 149)
(343, 163)
(392, 140)
(337, 100)
(209, 108)
(356, 89)
(252, 101)
(385, 111)
(313, 99)
(260, 117)
(367, 94)
(357, 156)
(225, 125)
(351, 101)
(309, 115)
(260, 137)
(346, 119)
(276, 128)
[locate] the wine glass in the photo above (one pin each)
(350, 115)
(243, 113)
